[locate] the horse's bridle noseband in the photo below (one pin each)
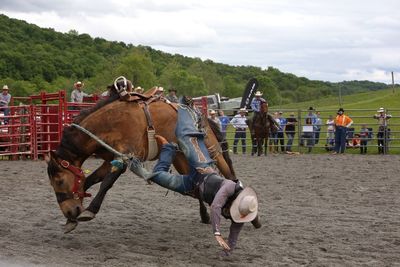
(79, 176)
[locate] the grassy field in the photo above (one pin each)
(360, 107)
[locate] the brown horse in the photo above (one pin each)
(260, 126)
(123, 126)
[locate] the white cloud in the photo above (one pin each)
(333, 40)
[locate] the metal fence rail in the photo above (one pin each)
(360, 117)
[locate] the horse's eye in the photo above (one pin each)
(60, 182)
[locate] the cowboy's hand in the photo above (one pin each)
(222, 243)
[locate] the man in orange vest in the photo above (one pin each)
(342, 123)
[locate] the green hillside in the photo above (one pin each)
(33, 59)
(367, 100)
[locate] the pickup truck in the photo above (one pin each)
(215, 101)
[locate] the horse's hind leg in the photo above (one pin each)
(181, 165)
(205, 218)
(266, 146)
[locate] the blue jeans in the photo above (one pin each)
(6, 112)
(340, 139)
(176, 182)
(191, 139)
(290, 137)
(240, 134)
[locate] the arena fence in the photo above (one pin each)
(319, 145)
(34, 124)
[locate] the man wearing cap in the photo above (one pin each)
(383, 132)
(77, 94)
(239, 123)
(5, 99)
(214, 118)
(172, 97)
(159, 91)
(226, 197)
(342, 123)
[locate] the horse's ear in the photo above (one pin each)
(50, 156)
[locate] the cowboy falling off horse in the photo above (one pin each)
(190, 143)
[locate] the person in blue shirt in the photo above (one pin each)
(224, 122)
(256, 102)
(280, 135)
(255, 105)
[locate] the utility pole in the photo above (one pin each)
(340, 96)
(393, 82)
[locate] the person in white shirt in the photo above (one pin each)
(239, 123)
(330, 131)
(5, 99)
(77, 94)
(214, 118)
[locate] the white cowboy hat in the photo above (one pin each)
(381, 110)
(242, 110)
(212, 112)
(5, 87)
(245, 206)
(258, 93)
(79, 84)
(160, 89)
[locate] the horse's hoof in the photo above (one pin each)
(69, 226)
(86, 215)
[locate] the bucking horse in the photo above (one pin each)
(116, 127)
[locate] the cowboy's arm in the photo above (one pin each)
(234, 122)
(253, 105)
(74, 97)
(227, 189)
(234, 231)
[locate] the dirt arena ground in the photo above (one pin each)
(317, 210)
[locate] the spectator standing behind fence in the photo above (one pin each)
(273, 135)
(214, 118)
(77, 94)
(281, 136)
(290, 131)
(239, 123)
(317, 127)
(224, 122)
(172, 97)
(309, 130)
(383, 131)
(330, 133)
(342, 123)
(364, 136)
(5, 99)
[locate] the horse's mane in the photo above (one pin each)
(216, 130)
(224, 144)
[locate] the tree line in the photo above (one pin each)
(33, 59)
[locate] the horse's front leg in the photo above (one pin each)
(98, 175)
(95, 205)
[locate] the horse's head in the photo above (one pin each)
(67, 181)
(264, 107)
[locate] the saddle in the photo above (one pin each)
(124, 89)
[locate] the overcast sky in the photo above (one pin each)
(324, 40)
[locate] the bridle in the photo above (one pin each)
(79, 176)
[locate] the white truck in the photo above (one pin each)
(229, 105)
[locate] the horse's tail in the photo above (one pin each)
(224, 144)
